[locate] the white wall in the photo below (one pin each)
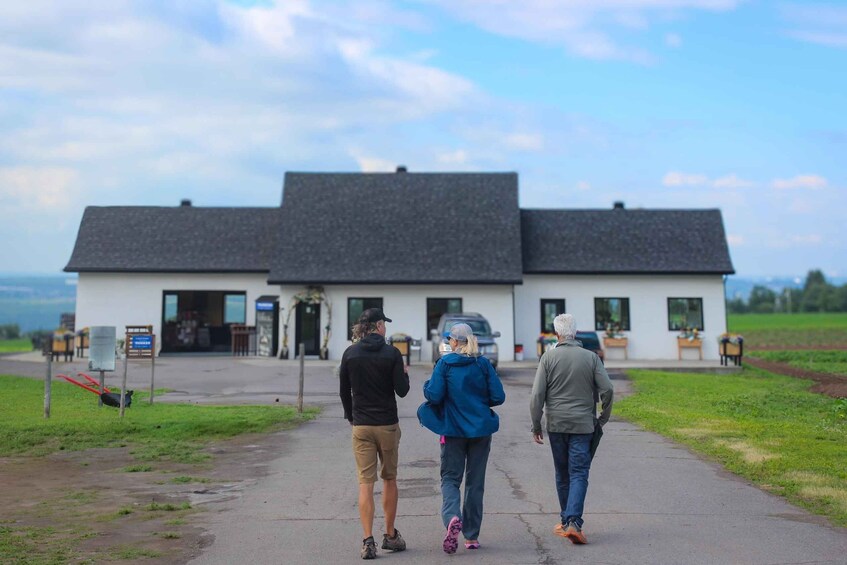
(406, 306)
(648, 295)
(128, 299)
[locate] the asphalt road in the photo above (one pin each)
(649, 501)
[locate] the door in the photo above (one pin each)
(308, 328)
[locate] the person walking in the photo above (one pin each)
(463, 388)
(568, 382)
(371, 373)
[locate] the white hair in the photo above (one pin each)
(565, 326)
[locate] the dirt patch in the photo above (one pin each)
(825, 383)
(102, 505)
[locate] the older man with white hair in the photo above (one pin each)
(569, 380)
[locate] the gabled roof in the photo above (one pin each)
(398, 228)
(624, 241)
(174, 239)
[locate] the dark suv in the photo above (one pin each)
(591, 342)
(481, 329)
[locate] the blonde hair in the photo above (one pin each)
(470, 347)
(361, 329)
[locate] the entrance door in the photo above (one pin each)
(308, 329)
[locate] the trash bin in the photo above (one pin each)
(518, 352)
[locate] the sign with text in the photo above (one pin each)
(140, 342)
(101, 352)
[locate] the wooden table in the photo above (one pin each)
(621, 342)
(685, 343)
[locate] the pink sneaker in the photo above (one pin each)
(451, 538)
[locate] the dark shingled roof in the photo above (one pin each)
(399, 228)
(624, 241)
(177, 239)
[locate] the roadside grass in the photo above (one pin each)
(822, 361)
(172, 432)
(764, 427)
(15, 345)
(790, 331)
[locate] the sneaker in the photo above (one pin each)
(368, 548)
(397, 543)
(451, 538)
(471, 544)
(561, 529)
(575, 534)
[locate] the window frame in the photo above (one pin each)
(625, 322)
(447, 311)
(350, 320)
(555, 301)
(699, 327)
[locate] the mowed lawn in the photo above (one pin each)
(764, 427)
(175, 432)
(790, 331)
(15, 345)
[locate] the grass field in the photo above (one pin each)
(15, 345)
(822, 361)
(766, 428)
(790, 331)
(175, 432)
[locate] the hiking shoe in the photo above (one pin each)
(575, 534)
(368, 548)
(451, 538)
(397, 543)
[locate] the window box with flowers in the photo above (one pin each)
(689, 338)
(615, 338)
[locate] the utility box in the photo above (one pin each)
(267, 326)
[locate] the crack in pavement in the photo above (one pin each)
(544, 557)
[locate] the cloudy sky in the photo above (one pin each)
(735, 104)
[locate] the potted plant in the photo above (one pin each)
(614, 336)
(730, 344)
(545, 341)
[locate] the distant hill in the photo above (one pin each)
(36, 302)
(739, 287)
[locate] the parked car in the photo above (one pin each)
(481, 329)
(591, 342)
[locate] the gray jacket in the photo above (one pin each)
(565, 382)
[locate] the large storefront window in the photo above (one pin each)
(435, 307)
(200, 320)
(685, 313)
(355, 307)
(611, 311)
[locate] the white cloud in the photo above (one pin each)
(583, 186)
(811, 182)
(457, 157)
(817, 23)
(674, 178)
(33, 188)
(524, 141)
(808, 239)
(673, 40)
(732, 181)
(735, 240)
(375, 165)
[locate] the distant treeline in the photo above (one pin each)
(10, 331)
(817, 295)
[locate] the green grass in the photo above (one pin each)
(175, 432)
(15, 345)
(822, 361)
(790, 331)
(766, 428)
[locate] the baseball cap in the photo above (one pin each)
(373, 315)
(460, 332)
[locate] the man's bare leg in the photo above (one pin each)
(389, 504)
(366, 508)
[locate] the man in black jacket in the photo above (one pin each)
(372, 372)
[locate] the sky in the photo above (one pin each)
(733, 104)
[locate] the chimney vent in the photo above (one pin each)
(619, 205)
(402, 169)
(185, 203)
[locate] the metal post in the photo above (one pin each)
(152, 366)
(302, 368)
(48, 383)
(123, 383)
(102, 386)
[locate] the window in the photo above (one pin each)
(550, 308)
(235, 308)
(435, 307)
(355, 307)
(611, 311)
(171, 308)
(685, 313)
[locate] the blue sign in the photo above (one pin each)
(265, 306)
(141, 342)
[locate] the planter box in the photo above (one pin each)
(685, 343)
(620, 342)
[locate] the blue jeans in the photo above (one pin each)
(572, 459)
(468, 457)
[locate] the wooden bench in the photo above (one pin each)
(685, 343)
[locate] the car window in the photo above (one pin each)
(479, 327)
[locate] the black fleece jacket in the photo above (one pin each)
(371, 373)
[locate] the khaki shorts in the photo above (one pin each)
(372, 442)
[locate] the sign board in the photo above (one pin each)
(101, 352)
(141, 342)
(265, 306)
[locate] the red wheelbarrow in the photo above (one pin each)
(108, 397)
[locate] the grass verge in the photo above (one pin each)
(790, 331)
(766, 428)
(175, 432)
(822, 361)
(15, 345)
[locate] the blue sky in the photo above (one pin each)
(659, 103)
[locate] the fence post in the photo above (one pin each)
(302, 368)
(123, 383)
(48, 384)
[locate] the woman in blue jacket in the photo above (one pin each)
(464, 386)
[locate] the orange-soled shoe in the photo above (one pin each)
(559, 530)
(575, 534)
